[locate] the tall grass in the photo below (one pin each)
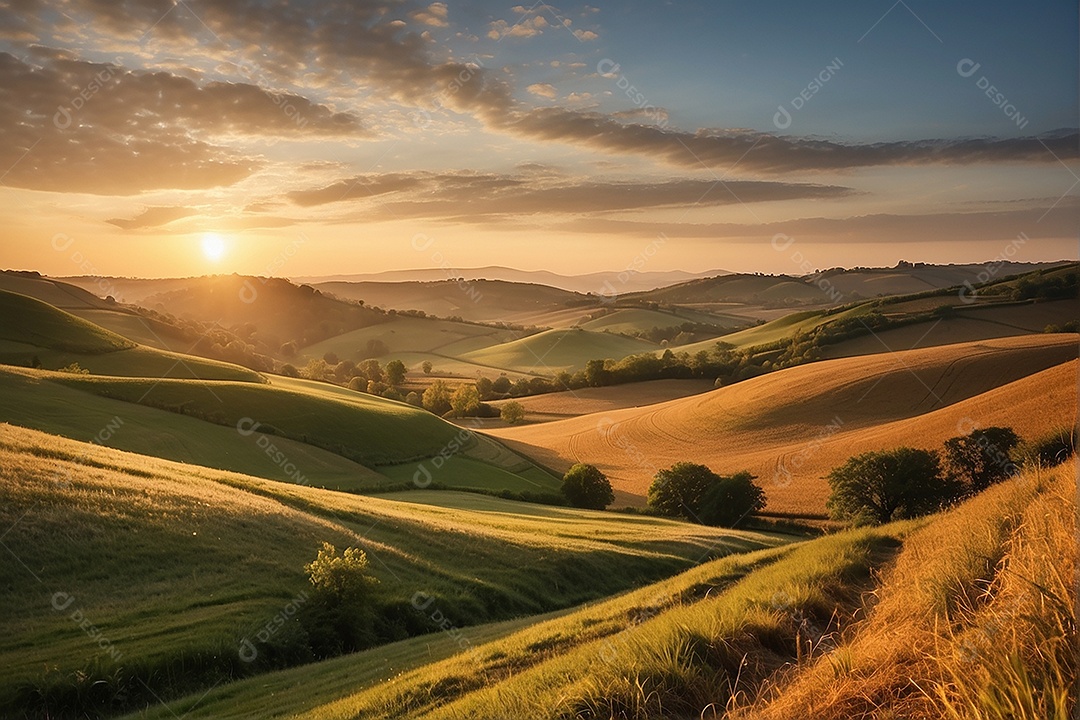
(1015, 655)
(975, 620)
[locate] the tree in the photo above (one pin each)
(370, 369)
(501, 385)
(730, 499)
(359, 384)
(887, 485)
(595, 374)
(437, 397)
(981, 458)
(512, 412)
(485, 387)
(331, 358)
(426, 367)
(679, 490)
(586, 487)
(339, 617)
(289, 370)
(344, 370)
(395, 372)
(316, 369)
(465, 400)
(414, 399)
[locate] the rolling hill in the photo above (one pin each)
(176, 565)
(875, 622)
(37, 334)
(791, 427)
(554, 350)
(476, 300)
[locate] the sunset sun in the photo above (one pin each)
(213, 247)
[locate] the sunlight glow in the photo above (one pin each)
(213, 247)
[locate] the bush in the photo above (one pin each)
(877, 487)
(586, 487)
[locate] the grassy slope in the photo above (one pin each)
(556, 350)
(34, 329)
(29, 399)
(572, 403)
(171, 560)
(322, 431)
(411, 334)
(775, 634)
(629, 320)
(362, 427)
(31, 321)
(778, 426)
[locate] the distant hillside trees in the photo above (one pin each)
(886, 485)
(698, 494)
(584, 486)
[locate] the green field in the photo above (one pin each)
(631, 320)
(176, 564)
(845, 624)
(411, 334)
(33, 322)
(555, 350)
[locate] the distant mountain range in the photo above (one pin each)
(606, 283)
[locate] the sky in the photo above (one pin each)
(164, 138)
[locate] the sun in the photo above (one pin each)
(213, 247)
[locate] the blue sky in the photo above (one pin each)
(544, 137)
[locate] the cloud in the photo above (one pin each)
(544, 90)
(585, 35)
(435, 15)
(478, 197)
(936, 228)
(77, 126)
(153, 217)
(524, 28)
(763, 152)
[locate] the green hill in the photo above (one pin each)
(32, 322)
(35, 333)
(174, 565)
(871, 622)
(556, 350)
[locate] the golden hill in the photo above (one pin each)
(790, 428)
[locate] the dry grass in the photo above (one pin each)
(780, 423)
(975, 621)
